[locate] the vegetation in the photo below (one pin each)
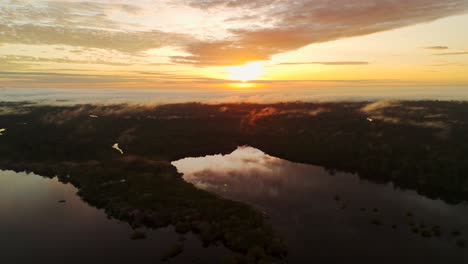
(415, 145)
(172, 251)
(137, 235)
(461, 243)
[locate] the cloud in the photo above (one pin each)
(380, 105)
(80, 24)
(28, 61)
(13, 110)
(65, 13)
(437, 48)
(123, 41)
(249, 121)
(12, 66)
(65, 78)
(253, 30)
(303, 22)
(60, 79)
(449, 64)
(451, 53)
(399, 113)
(208, 4)
(14, 62)
(242, 18)
(328, 63)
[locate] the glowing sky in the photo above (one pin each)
(233, 43)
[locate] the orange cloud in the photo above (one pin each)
(305, 22)
(260, 29)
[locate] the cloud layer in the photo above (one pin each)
(303, 22)
(254, 29)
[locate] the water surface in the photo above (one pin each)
(36, 228)
(328, 217)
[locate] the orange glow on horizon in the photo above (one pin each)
(243, 85)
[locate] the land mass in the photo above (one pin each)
(414, 145)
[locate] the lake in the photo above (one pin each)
(36, 228)
(331, 217)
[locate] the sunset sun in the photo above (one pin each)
(248, 72)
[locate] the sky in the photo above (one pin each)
(241, 44)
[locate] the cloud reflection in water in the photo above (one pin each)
(299, 199)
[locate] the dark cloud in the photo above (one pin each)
(437, 48)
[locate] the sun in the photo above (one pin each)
(248, 72)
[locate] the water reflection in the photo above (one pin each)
(43, 219)
(323, 216)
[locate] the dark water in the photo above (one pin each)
(35, 228)
(319, 227)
